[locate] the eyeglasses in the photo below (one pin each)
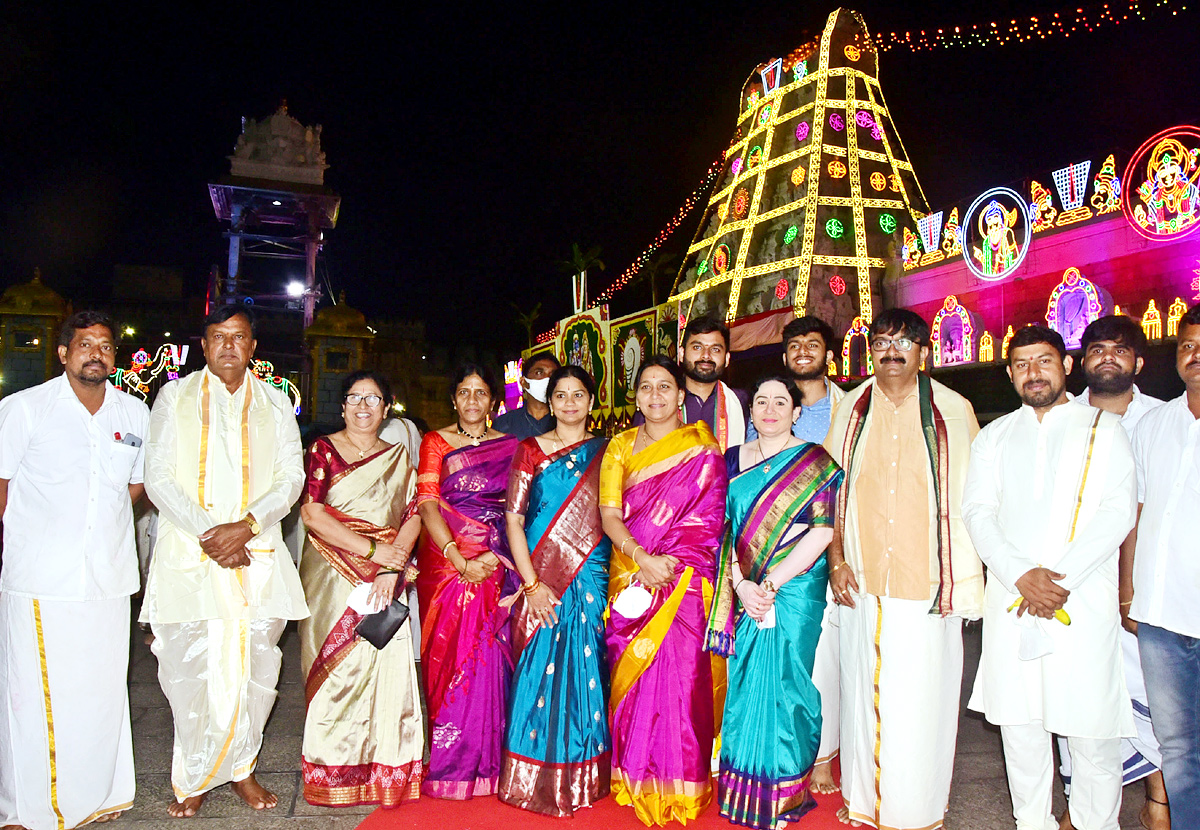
(354, 399)
(904, 344)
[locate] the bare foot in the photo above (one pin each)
(254, 794)
(1155, 815)
(1064, 823)
(821, 781)
(107, 817)
(186, 808)
(844, 817)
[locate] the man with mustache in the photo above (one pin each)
(1114, 349)
(223, 465)
(807, 352)
(70, 472)
(905, 574)
(1166, 571)
(704, 356)
(1050, 495)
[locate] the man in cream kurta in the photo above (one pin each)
(1051, 493)
(905, 574)
(223, 466)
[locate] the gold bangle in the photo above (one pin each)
(838, 565)
(1129, 602)
(531, 588)
(628, 539)
(371, 551)
(448, 544)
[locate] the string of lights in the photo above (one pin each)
(1076, 20)
(663, 235)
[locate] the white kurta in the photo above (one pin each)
(212, 458)
(1059, 493)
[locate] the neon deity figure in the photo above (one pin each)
(1042, 207)
(1169, 193)
(1174, 314)
(1152, 322)
(950, 241)
(1073, 304)
(1000, 251)
(1106, 189)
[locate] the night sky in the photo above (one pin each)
(471, 148)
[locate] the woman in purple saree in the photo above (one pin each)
(461, 484)
(662, 498)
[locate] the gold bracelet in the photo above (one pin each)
(448, 544)
(628, 539)
(371, 552)
(838, 565)
(532, 588)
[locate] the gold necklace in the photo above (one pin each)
(361, 452)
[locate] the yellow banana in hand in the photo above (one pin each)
(1061, 614)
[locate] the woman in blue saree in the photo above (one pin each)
(766, 617)
(556, 749)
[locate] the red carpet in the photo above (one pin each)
(490, 814)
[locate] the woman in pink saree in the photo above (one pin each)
(662, 499)
(462, 481)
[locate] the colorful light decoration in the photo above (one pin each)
(720, 259)
(1073, 20)
(864, 119)
(1008, 335)
(741, 203)
(951, 245)
(987, 348)
(789, 236)
(754, 158)
(858, 329)
(834, 229)
(836, 121)
(1071, 182)
(837, 285)
(1152, 322)
(143, 369)
(1088, 307)
(1041, 207)
(878, 181)
(852, 52)
(802, 131)
(887, 223)
(1106, 189)
(702, 267)
(264, 370)
(952, 308)
(837, 170)
(798, 176)
(781, 289)
(764, 115)
(930, 229)
(1160, 195)
(736, 167)
(1175, 313)
(996, 214)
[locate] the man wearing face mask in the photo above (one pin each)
(533, 418)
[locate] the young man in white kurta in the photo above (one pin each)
(1050, 495)
(70, 564)
(220, 462)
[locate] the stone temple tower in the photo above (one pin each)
(817, 192)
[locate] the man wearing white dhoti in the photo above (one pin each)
(223, 466)
(1051, 493)
(1114, 349)
(70, 471)
(905, 574)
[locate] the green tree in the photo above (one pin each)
(581, 260)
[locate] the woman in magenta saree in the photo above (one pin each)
(461, 484)
(662, 496)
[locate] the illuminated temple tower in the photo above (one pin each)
(817, 195)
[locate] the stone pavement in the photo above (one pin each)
(978, 800)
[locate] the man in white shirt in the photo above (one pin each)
(70, 471)
(223, 465)
(1114, 349)
(1166, 573)
(1049, 498)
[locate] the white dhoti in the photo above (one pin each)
(66, 750)
(827, 678)
(901, 671)
(219, 677)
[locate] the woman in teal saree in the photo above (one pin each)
(766, 617)
(556, 748)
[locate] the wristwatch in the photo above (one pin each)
(255, 527)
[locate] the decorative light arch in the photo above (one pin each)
(952, 308)
(1073, 283)
(857, 327)
(1175, 313)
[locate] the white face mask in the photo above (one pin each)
(537, 388)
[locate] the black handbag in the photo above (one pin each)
(379, 628)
